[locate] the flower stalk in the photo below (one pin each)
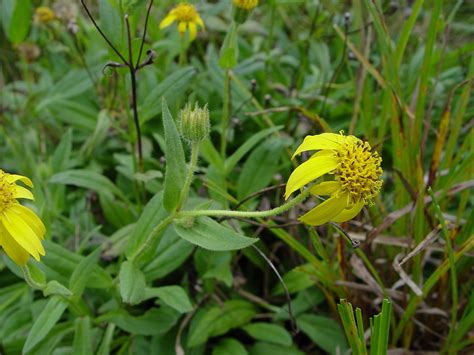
(248, 214)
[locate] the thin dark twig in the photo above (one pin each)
(287, 293)
(134, 95)
(137, 66)
(102, 34)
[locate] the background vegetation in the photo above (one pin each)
(398, 74)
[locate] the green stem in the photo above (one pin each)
(189, 177)
(173, 215)
(29, 279)
(225, 113)
(154, 233)
(182, 51)
(247, 214)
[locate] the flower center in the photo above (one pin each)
(246, 4)
(359, 170)
(185, 13)
(7, 190)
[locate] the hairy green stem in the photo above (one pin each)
(173, 215)
(189, 177)
(182, 51)
(247, 214)
(225, 113)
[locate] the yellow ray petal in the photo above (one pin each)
(21, 192)
(349, 213)
(325, 188)
(12, 248)
(326, 211)
(22, 233)
(308, 171)
(168, 20)
(182, 27)
(33, 221)
(320, 141)
(199, 21)
(192, 31)
(23, 179)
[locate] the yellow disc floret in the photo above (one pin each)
(186, 16)
(185, 12)
(44, 14)
(359, 170)
(246, 4)
(7, 190)
(356, 170)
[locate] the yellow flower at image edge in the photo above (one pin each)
(44, 14)
(186, 16)
(21, 230)
(356, 171)
(246, 4)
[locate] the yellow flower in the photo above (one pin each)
(246, 4)
(187, 17)
(356, 171)
(21, 231)
(44, 14)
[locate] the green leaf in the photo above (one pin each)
(82, 273)
(271, 333)
(177, 82)
(82, 337)
(55, 288)
(217, 321)
(208, 234)
(45, 321)
(297, 279)
(62, 154)
(153, 322)
(214, 265)
(175, 162)
(89, 180)
(132, 283)
(380, 329)
(174, 296)
(104, 348)
(171, 253)
(260, 167)
(116, 212)
(324, 332)
(19, 19)
(262, 348)
(151, 216)
(59, 263)
(229, 53)
(111, 22)
(229, 346)
(100, 133)
(232, 161)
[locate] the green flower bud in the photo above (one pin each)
(195, 125)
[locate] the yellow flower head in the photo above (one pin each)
(356, 171)
(186, 16)
(21, 231)
(44, 14)
(246, 4)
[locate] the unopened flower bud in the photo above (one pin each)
(242, 9)
(195, 125)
